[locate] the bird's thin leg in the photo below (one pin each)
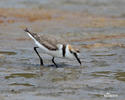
(54, 62)
(41, 60)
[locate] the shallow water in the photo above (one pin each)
(102, 73)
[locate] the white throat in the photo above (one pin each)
(68, 53)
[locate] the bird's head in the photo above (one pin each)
(75, 52)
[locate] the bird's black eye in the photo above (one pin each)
(77, 51)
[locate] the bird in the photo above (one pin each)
(53, 46)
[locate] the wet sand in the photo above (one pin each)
(100, 37)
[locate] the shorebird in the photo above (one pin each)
(53, 46)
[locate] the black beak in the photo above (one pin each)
(77, 58)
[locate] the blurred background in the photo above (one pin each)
(96, 26)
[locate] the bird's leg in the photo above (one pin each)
(54, 62)
(41, 60)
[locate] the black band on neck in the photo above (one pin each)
(64, 50)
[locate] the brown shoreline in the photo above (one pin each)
(12, 15)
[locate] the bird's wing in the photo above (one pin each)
(50, 42)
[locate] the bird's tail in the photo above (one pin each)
(26, 30)
(31, 34)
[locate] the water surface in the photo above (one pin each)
(96, 26)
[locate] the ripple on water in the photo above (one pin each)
(104, 55)
(25, 75)
(101, 74)
(8, 52)
(120, 76)
(21, 84)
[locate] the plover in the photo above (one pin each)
(53, 46)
